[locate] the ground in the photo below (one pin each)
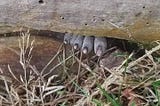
(42, 71)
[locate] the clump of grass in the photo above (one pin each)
(35, 90)
(135, 82)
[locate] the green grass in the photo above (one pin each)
(109, 98)
(156, 87)
(97, 102)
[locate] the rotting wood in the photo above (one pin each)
(44, 49)
(125, 19)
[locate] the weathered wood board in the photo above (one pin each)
(125, 19)
(44, 49)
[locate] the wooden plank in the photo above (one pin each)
(125, 19)
(44, 49)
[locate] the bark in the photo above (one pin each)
(125, 19)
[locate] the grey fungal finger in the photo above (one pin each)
(87, 44)
(78, 42)
(67, 38)
(73, 40)
(100, 45)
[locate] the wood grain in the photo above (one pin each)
(126, 19)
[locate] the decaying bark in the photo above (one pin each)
(125, 19)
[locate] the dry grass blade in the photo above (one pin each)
(148, 53)
(60, 63)
(8, 91)
(52, 59)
